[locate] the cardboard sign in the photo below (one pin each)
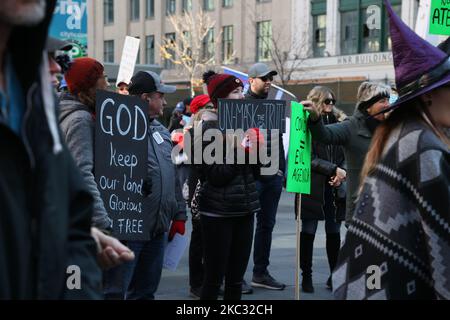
(121, 152)
(299, 157)
(440, 17)
(128, 61)
(246, 114)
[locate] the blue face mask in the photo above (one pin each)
(393, 98)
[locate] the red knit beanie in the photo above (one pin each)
(83, 74)
(199, 102)
(220, 85)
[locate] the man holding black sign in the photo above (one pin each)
(166, 206)
(269, 188)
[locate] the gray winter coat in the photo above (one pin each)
(355, 137)
(78, 128)
(165, 202)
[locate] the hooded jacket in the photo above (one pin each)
(45, 207)
(78, 128)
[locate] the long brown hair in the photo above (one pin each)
(319, 94)
(416, 110)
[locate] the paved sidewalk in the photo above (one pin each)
(175, 285)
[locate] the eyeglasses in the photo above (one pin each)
(330, 102)
(266, 78)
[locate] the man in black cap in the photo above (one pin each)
(269, 188)
(54, 48)
(166, 207)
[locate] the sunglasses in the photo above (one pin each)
(330, 101)
(266, 78)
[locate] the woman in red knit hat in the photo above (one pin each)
(227, 201)
(76, 118)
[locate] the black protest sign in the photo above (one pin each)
(121, 162)
(246, 114)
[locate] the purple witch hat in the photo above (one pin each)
(419, 66)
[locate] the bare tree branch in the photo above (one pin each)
(187, 51)
(286, 55)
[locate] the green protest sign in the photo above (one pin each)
(299, 158)
(440, 17)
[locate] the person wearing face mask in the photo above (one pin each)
(354, 134)
(398, 240)
(327, 198)
(227, 202)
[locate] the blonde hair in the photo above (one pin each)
(319, 94)
(367, 90)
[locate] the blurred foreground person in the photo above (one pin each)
(45, 207)
(401, 223)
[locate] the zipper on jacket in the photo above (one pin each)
(24, 122)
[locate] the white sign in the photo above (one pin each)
(128, 62)
(174, 251)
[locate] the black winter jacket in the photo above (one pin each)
(325, 158)
(227, 190)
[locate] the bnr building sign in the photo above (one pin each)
(370, 58)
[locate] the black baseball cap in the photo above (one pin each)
(54, 44)
(148, 82)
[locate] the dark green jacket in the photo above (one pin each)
(355, 137)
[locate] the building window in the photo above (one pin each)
(187, 5)
(108, 51)
(320, 31)
(187, 40)
(171, 7)
(364, 26)
(227, 3)
(227, 44)
(349, 32)
(150, 8)
(208, 5)
(168, 64)
(208, 45)
(108, 11)
(264, 41)
(387, 44)
(134, 10)
(150, 50)
(138, 56)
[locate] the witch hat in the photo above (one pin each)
(419, 66)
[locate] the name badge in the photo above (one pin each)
(158, 138)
